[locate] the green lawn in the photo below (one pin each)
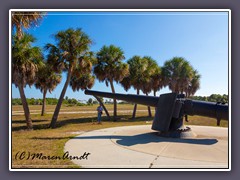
(51, 141)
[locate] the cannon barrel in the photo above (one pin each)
(203, 108)
(138, 99)
(190, 107)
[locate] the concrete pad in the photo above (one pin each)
(140, 147)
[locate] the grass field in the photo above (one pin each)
(72, 121)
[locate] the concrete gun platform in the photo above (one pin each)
(140, 147)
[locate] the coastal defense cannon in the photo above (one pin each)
(171, 108)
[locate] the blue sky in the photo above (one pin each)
(199, 37)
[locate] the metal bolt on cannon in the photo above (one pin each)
(171, 108)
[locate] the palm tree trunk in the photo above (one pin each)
(25, 107)
(19, 31)
(105, 109)
(149, 109)
(44, 102)
(114, 101)
(135, 107)
(60, 100)
(154, 93)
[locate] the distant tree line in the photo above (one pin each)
(212, 98)
(49, 101)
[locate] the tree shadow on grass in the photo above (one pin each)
(51, 138)
(24, 122)
(62, 123)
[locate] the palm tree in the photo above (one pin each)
(109, 68)
(26, 61)
(82, 79)
(146, 89)
(47, 80)
(71, 52)
(194, 84)
(156, 80)
(136, 77)
(148, 73)
(177, 74)
(25, 20)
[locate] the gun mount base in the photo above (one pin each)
(183, 132)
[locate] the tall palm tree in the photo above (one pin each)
(136, 77)
(156, 80)
(177, 74)
(194, 84)
(148, 73)
(70, 52)
(146, 89)
(110, 68)
(82, 79)
(25, 20)
(26, 61)
(47, 80)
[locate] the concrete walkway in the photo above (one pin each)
(140, 147)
